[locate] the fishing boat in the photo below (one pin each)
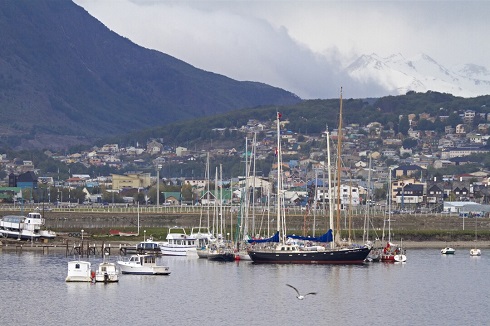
(289, 252)
(145, 264)
(178, 243)
(28, 227)
(107, 273)
(80, 271)
(448, 251)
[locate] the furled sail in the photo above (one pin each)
(274, 238)
(327, 237)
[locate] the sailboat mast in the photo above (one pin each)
(339, 166)
(253, 181)
(279, 174)
(330, 206)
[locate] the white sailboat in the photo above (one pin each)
(475, 251)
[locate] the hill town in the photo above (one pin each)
(427, 170)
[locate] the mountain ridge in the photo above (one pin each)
(420, 73)
(65, 79)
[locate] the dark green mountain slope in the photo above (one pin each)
(65, 79)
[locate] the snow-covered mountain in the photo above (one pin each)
(422, 73)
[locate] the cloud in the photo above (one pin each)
(301, 46)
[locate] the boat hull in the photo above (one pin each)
(226, 257)
(475, 252)
(19, 235)
(155, 270)
(168, 250)
(448, 251)
(341, 256)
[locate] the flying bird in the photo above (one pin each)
(299, 296)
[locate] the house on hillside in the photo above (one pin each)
(172, 197)
(23, 180)
(408, 171)
(410, 194)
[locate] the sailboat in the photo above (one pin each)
(391, 252)
(475, 251)
(375, 254)
(289, 251)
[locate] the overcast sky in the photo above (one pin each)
(300, 45)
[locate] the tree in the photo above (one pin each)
(404, 125)
(187, 193)
(409, 143)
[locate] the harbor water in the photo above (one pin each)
(429, 289)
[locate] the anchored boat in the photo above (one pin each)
(143, 265)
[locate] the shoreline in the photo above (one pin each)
(442, 244)
(408, 244)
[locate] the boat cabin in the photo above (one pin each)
(287, 247)
(79, 271)
(142, 259)
(148, 247)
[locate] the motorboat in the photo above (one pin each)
(25, 227)
(448, 251)
(145, 264)
(475, 252)
(80, 271)
(178, 243)
(107, 272)
(149, 247)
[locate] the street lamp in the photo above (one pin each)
(82, 235)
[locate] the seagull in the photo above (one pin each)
(299, 296)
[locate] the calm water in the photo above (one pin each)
(430, 289)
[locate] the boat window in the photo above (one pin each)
(77, 266)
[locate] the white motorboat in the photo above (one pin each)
(107, 272)
(25, 227)
(448, 251)
(178, 243)
(475, 252)
(143, 265)
(80, 271)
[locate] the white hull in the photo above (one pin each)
(475, 252)
(202, 253)
(400, 258)
(242, 256)
(75, 278)
(448, 251)
(142, 265)
(146, 270)
(177, 250)
(22, 235)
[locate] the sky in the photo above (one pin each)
(301, 46)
